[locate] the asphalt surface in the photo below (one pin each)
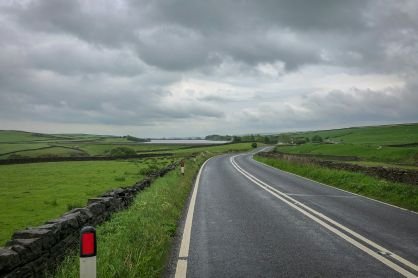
(240, 229)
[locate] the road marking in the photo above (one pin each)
(296, 175)
(311, 214)
(181, 268)
(319, 195)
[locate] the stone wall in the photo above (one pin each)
(34, 251)
(391, 174)
(77, 158)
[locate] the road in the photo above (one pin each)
(247, 219)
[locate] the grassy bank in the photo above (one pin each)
(398, 194)
(365, 152)
(33, 193)
(136, 242)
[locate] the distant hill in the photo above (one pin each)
(395, 144)
(375, 135)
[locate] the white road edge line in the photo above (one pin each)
(358, 236)
(264, 164)
(293, 203)
(181, 268)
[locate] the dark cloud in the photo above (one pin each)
(178, 35)
(142, 63)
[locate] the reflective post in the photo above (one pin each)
(88, 249)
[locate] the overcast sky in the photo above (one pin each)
(192, 68)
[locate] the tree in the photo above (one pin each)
(266, 140)
(122, 151)
(273, 139)
(254, 145)
(300, 141)
(284, 138)
(316, 139)
(135, 139)
(236, 139)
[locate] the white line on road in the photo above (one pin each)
(302, 177)
(371, 243)
(297, 205)
(320, 195)
(181, 268)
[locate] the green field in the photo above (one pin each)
(373, 144)
(136, 242)
(103, 149)
(27, 144)
(374, 135)
(13, 147)
(18, 144)
(33, 193)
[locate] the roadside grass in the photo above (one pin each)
(136, 242)
(33, 193)
(366, 152)
(399, 194)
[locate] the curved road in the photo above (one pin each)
(247, 219)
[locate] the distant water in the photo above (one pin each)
(186, 142)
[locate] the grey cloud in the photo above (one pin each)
(115, 62)
(78, 58)
(216, 99)
(180, 49)
(334, 108)
(105, 25)
(178, 35)
(69, 99)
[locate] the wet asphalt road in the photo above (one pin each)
(240, 229)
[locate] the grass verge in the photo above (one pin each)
(399, 194)
(136, 242)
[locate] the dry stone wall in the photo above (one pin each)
(391, 174)
(77, 158)
(34, 251)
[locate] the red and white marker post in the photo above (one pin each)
(88, 249)
(182, 167)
